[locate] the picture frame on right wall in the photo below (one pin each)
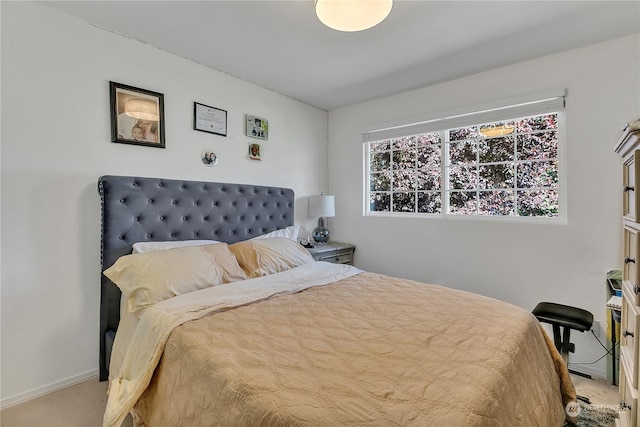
(254, 151)
(209, 119)
(257, 127)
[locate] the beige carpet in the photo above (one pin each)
(82, 405)
(598, 391)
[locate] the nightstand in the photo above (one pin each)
(335, 252)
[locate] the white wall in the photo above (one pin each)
(519, 263)
(56, 143)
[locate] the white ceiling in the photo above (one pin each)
(282, 46)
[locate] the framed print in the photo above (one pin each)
(209, 119)
(254, 152)
(257, 127)
(137, 116)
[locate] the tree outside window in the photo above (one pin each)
(506, 168)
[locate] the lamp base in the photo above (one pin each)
(320, 235)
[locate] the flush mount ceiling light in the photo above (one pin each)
(352, 15)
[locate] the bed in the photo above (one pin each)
(285, 340)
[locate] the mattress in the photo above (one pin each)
(345, 348)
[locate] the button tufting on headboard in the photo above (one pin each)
(152, 209)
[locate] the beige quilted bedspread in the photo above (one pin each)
(369, 350)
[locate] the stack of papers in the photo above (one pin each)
(615, 302)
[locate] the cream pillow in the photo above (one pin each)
(232, 272)
(150, 277)
(261, 257)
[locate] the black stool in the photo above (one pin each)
(567, 318)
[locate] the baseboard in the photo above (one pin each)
(50, 388)
(596, 373)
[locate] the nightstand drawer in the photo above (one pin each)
(342, 258)
(335, 252)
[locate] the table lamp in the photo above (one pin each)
(321, 206)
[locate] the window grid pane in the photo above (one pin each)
(506, 168)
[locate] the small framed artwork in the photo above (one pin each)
(254, 152)
(209, 119)
(257, 127)
(137, 116)
(209, 158)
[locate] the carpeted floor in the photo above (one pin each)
(604, 398)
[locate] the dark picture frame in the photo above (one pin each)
(209, 119)
(137, 116)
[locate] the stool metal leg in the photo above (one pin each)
(567, 347)
(556, 338)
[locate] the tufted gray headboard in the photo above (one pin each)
(136, 209)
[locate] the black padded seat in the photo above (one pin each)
(566, 317)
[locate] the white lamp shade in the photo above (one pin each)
(352, 15)
(322, 206)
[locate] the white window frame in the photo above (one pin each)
(525, 106)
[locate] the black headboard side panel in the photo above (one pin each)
(136, 209)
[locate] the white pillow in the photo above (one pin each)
(141, 247)
(290, 233)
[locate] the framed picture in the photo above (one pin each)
(137, 116)
(209, 119)
(257, 127)
(254, 152)
(209, 158)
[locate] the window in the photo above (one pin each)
(500, 168)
